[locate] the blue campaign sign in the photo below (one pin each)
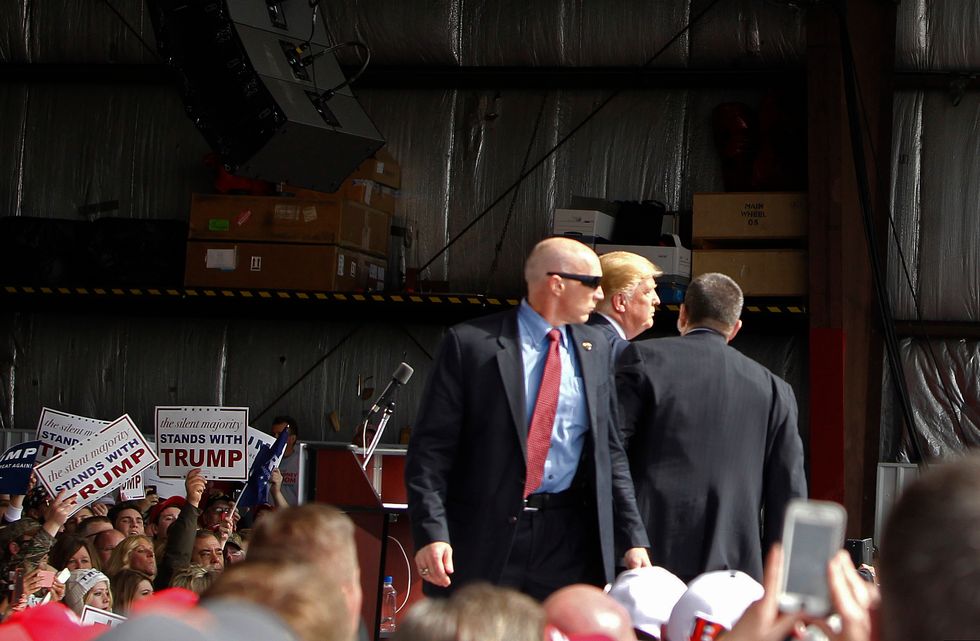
(15, 467)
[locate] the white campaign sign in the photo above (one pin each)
(255, 440)
(211, 438)
(95, 467)
(91, 616)
(58, 431)
(132, 489)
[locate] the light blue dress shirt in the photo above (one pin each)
(571, 419)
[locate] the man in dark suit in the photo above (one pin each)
(712, 439)
(515, 467)
(630, 298)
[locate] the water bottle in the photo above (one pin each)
(389, 606)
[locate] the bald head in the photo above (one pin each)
(559, 274)
(585, 609)
(558, 254)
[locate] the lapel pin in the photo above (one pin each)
(587, 345)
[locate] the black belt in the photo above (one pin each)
(554, 500)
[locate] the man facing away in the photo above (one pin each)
(515, 466)
(630, 302)
(712, 439)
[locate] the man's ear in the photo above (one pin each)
(619, 302)
(737, 326)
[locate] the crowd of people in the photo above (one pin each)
(300, 581)
(548, 454)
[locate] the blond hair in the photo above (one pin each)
(622, 272)
(120, 557)
(195, 578)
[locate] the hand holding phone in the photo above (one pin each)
(45, 578)
(813, 532)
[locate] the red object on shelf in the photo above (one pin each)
(228, 183)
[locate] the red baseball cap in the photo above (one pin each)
(46, 622)
(156, 510)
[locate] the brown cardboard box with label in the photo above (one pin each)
(749, 216)
(358, 190)
(382, 168)
(263, 218)
(374, 227)
(759, 272)
(281, 266)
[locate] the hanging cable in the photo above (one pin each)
(602, 105)
(303, 376)
(864, 193)
(513, 200)
(893, 228)
(153, 52)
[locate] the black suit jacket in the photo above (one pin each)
(714, 451)
(466, 460)
(616, 342)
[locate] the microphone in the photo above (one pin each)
(400, 377)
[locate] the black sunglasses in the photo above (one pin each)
(585, 279)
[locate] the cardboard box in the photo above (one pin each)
(759, 272)
(374, 227)
(358, 190)
(281, 266)
(672, 261)
(771, 215)
(261, 218)
(583, 223)
(381, 169)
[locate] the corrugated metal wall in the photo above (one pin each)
(935, 207)
(72, 144)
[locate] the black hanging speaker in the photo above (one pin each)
(266, 100)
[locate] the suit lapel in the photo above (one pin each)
(586, 362)
(511, 366)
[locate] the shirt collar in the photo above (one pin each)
(615, 324)
(534, 327)
(705, 330)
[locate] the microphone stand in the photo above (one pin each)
(386, 413)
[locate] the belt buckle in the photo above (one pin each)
(529, 508)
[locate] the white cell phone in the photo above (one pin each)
(812, 533)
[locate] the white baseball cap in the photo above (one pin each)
(649, 595)
(713, 599)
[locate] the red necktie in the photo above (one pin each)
(543, 417)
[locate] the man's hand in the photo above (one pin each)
(99, 509)
(194, 485)
(275, 481)
(853, 600)
(147, 502)
(57, 513)
(435, 563)
(57, 590)
(636, 558)
(223, 530)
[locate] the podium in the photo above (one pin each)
(376, 501)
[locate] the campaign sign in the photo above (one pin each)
(132, 489)
(91, 616)
(58, 431)
(97, 466)
(15, 467)
(256, 438)
(211, 438)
